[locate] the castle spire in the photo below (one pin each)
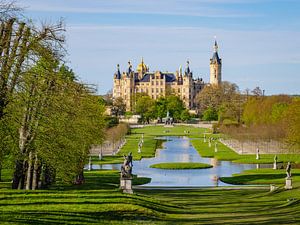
(118, 73)
(129, 70)
(187, 69)
(216, 46)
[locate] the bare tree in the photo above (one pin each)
(9, 9)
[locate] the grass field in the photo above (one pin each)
(99, 201)
(263, 176)
(227, 154)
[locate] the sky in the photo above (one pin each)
(259, 40)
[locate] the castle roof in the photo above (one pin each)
(216, 57)
(169, 77)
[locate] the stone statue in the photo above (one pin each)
(275, 162)
(288, 170)
(257, 153)
(126, 168)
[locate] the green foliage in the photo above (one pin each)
(265, 110)
(111, 121)
(185, 115)
(145, 107)
(175, 106)
(119, 107)
(210, 114)
(181, 166)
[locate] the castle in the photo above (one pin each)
(157, 84)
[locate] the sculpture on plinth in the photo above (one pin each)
(288, 170)
(275, 162)
(126, 168)
(126, 174)
(288, 179)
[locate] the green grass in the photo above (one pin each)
(227, 154)
(181, 165)
(150, 143)
(263, 176)
(99, 201)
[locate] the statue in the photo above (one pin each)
(126, 168)
(288, 170)
(257, 153)
(275, 162)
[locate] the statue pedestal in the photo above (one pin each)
(274, 166)
(126, 185)
(288, 183)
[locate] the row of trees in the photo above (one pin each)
(48, 120)
(149, 108)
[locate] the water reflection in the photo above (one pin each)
(178, 149)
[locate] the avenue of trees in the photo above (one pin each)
(150, 109)
(252, 116)
(48, 119)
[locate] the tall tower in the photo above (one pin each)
(215, 67)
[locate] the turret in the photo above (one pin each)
(129, 70)
(215, 67)
(187, 71)
(117, 75)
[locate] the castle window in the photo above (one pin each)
(152, 82)
(157, 83)
(152, 90)
(161, 83)
(156, 90)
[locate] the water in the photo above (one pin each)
(179, 149)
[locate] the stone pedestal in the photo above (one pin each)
(273, 187)
(126, 185)
(274, 166)
(288, 183)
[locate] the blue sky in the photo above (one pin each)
(259, 40)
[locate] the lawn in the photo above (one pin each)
(227, 154)
(99, 201)
(263, 176)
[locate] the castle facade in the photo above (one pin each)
(161, 84)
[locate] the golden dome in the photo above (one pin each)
(142, 68)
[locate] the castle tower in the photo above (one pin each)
(215, 67)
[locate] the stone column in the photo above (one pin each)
(288, 183)
(126, 185)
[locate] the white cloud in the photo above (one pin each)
(156, 7)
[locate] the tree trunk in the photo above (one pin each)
(29, 172)
(35, 178)
(17, 174)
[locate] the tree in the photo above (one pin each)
(175, 106)
(20, 46)
(118, 107)
(224, 99)
(210, 114)
(8, 9)
(257, 92)
(291, 120)
(185, 115)
(145, 107)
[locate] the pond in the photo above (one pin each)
(179, 149)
